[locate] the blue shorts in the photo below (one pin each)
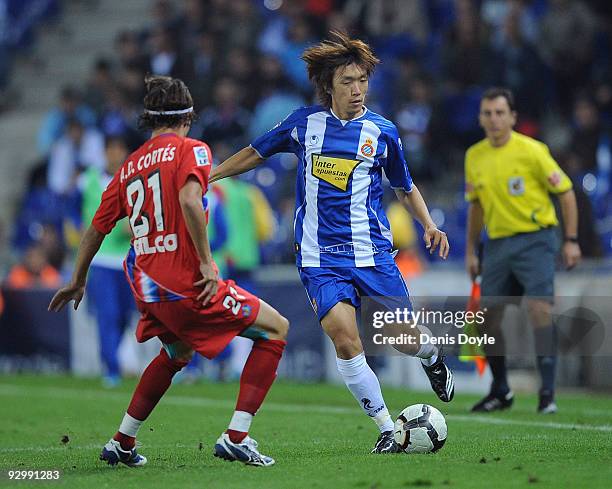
(328, 286)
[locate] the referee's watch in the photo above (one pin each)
(571, 239)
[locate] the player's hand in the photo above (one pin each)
(436, 239)
(472, 265)
(208, 282)
(72, 292)
(571, 254)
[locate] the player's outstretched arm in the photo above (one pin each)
(190, 199)
(433, 237)
(90, 244)
(246, 159)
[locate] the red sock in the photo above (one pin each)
(258, 374)
(153, 384)
(236, 436)
(126, 442)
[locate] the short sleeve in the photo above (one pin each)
(396, 168)
(196, 160)
(110, 210)
(470, 184)
(548, 171)
(279, 139)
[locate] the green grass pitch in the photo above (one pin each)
(317, 434)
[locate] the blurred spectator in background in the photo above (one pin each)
(466, 55)
(5, 56)
(243, 26)
(239, 65)
(566, 46)
(396, 27)
(33, 271)
(108, 292)
(192, 22)
(299, 37)
(99, 85)
(227, 120)
(163, 14)
(165, 57)
(276, 96)
(405, 240)
(588, 240)
(204, 59)
(518, 62)
(250, 222)
(129, 51)
(120, 118)
(78, 149)
(415, 123)
(591, 139)
(56, 121)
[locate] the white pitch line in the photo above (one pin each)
(98, 395)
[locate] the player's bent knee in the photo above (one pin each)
(280, 328)
(347, 346)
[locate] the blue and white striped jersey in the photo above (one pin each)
(339, 215)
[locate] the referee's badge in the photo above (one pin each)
(516, 185)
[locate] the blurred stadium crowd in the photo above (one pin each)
(241, 60)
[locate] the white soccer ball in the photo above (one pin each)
(420, 428)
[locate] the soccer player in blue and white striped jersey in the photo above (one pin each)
(342, 238)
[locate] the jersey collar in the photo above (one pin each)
(345, 121)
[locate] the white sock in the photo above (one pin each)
(241, 421)
(363, 383)
(428, 352)
(129, 426)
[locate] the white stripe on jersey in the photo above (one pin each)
(360, 221)
(313, 140)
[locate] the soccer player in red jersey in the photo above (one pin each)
(173, 277)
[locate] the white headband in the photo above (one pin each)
(169, 112)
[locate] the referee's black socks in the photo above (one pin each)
(546, 356)
(497, 364)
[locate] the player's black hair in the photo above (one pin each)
(324, 58)
(493, 93)
(164, 94)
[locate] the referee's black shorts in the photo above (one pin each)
(523, 264)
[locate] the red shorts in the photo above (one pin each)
(207, 330)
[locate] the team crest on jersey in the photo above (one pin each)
(201, 156)
(516, 186)
(367, 149)
(335, 171)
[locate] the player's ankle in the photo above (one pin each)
(126, 442)
(236, 436)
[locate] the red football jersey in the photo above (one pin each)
(162, 263)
